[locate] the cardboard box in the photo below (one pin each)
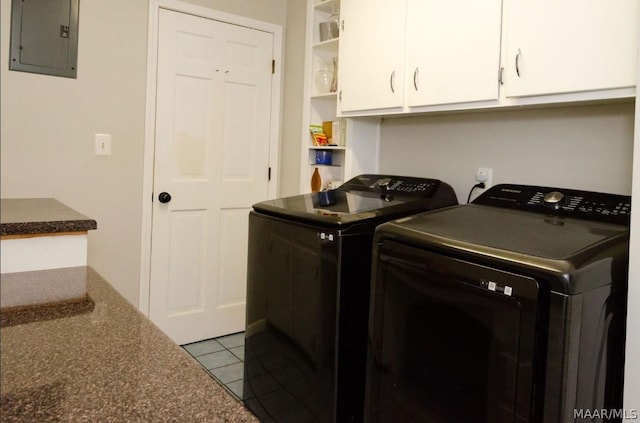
(327, 128)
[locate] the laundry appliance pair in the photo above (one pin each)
(508, 309)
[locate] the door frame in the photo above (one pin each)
(150, 118)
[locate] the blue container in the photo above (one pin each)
(323, 157)
(327, 198)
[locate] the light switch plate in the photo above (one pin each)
(103, 144)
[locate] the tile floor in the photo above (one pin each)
(223, 358)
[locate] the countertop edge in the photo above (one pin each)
(30, 228)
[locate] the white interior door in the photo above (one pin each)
(212, 157)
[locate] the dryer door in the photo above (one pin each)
(450, 341)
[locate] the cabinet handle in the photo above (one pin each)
(392, 81)
(415, 78)
(501, 76)
(518, 62)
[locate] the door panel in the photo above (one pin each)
(372, 54)
(246, 118)
(291, 329)
(555, 47)
(190, 131)
(450, 340)
(211, 155)
(469, 59)
(186, 279)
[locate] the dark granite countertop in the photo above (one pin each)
(26, 216)
(110, 364)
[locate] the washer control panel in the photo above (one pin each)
(612, 208)
(390, 184)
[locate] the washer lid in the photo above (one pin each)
(371, 198)
(498, 231)
(343, 208)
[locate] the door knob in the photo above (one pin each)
(164, 197)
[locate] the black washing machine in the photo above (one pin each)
(508, 309)
(308, 285)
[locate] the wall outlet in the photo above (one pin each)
(103, 144)
(485, 174)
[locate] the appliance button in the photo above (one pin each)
(553, 199)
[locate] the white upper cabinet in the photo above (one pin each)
(372, 42)
(420, 56)
(453, 51)
(568, 46)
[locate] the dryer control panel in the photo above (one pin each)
(392, 184)
(612, 208)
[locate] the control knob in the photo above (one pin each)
(384, 183)
(553, 199)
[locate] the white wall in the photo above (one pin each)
(48, 125)
(292, 111)
(587, 147)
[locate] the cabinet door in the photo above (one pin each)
(372, 54)
(570, 45)
(453, 51)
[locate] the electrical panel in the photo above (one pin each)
(44, 37)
